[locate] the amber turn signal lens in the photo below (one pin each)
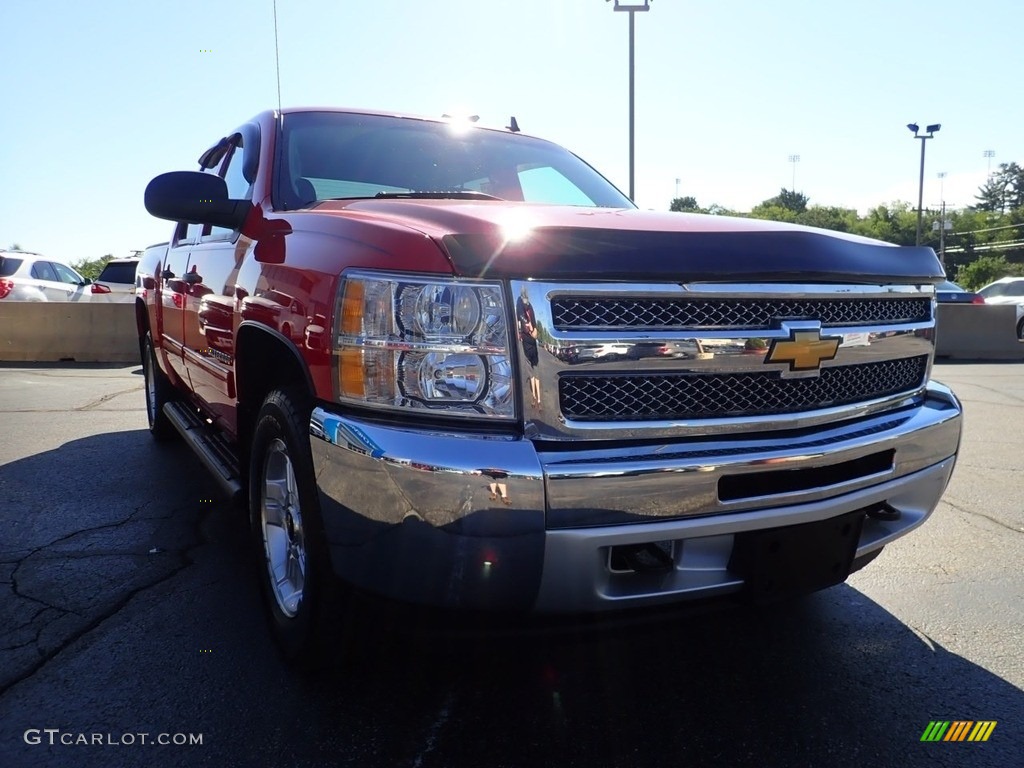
(352, 308)
(351, 377)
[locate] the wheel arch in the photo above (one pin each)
(264, 360)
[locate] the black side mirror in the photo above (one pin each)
(196, 198)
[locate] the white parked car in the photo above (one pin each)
(116, 283)
(1007, 290)
(26, 276)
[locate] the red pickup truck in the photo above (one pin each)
(455, 366)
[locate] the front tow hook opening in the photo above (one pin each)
(649, 557)
(885, 512)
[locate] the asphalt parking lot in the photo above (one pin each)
(129, 613)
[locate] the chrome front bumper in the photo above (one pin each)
(491, 522)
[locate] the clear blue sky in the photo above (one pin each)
(98, 97)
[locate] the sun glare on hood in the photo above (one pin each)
(516, 226)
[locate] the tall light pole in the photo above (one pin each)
(931, 131)
(631, 10)
(988, 155)
(794, 159)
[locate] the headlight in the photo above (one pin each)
(423, 343)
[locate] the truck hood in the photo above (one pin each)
(524, 240)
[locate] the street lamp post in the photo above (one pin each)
(931, 131)
(631, 10)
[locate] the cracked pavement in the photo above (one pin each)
(127, 605)
(78, 551)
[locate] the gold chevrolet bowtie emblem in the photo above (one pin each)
(804, 350)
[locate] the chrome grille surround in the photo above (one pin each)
(641, 380)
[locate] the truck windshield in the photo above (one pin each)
(336, 155)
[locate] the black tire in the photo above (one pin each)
(1020, 330)
(158, 393)
(301, 593)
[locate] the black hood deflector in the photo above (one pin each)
(581, 254)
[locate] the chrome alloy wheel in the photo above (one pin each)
(284, 544)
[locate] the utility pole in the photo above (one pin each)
(942, 237)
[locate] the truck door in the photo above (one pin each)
(210, 297)
(172, 293)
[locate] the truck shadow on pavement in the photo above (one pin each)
(828, 679)
(131, 605)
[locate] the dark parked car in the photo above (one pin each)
(947, 291)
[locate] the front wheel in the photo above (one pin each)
(293, 565)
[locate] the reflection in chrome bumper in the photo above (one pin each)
(484, 521)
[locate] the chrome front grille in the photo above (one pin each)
(676, 396)
(634, 361)
(574, 313)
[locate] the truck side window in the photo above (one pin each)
(238, 187)
(186, 234)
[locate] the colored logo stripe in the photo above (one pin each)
(958, 730)
(982, 730)
(935, 730)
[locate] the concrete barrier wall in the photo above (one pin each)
(106, 333)
(978, 332)
(55, 331)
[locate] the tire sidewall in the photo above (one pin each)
(296, 634)
(162, 393)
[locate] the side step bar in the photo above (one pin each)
(209, 446)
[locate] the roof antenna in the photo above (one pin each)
(277, 60)
(513, 125)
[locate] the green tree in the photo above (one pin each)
(789, 199)
(91, 268)
(986, 269)
(991, 196)
(720, 210)
(15, 247)
(893, 223)
(773, 212)
(828, 217)
(685, 204)
(1002, 190)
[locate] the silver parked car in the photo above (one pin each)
(26, 276)
(1007, 290)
